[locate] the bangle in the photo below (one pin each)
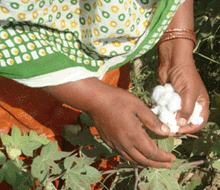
(177, 33)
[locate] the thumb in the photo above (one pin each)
(162, 74)
(187, 106)
(151, 121)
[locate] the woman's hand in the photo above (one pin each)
(177, 66)
(118, 116)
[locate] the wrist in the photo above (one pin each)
(177, 51)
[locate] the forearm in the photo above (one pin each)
(183, 19)
(83, 94)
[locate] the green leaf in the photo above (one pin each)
(23, 187)
(195, 182)
(56, 169)
(84, 138)
(81, 177)
(13, 153)
(41, 139)
(24, 179)
(71, 129)
(2, 158)
(217, 99)
(22, 142)
(166, 144)
(159, 179)
(216, 165)
(179, 166)
(17, 140)
(201, 148)
(39, 187)
(15, 134)
(2, 176)
(28, 150)
(10, 172)
(6, 140)
(85, 119)
(50, 151)
(177, 142)
(68, 162)
(40, 168)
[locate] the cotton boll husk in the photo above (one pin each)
(157, 92)
(168, 87)
(174, 103)
(156, 110)
(164, 98)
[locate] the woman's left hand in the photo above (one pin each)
(177, 66)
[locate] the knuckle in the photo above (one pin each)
(186, 114)
(153, 156)
(156, 122)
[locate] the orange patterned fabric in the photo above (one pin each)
(33, 109)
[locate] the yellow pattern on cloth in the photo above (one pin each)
(96, 23)
(53, 42)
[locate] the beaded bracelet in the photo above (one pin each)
(177, 33)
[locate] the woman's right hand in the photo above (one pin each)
(118, 116)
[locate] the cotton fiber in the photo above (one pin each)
(168, 102)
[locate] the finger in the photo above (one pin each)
(143, 144)
(189, 129)
(162, 74)
(203, 100)
(154, 153)
(194, 128)
(136, 156)
(125, 156)
(187, 106)
(151, 121)
(142, 160)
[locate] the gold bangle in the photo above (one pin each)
(179, 30)
(177, 33)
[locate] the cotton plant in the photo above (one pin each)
(168, 102)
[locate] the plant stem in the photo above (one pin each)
(137, 179)
(200, 162)
(114, 182)
(184, 179)
(200, 138)
(212, 60)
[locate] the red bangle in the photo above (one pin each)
(177, 33)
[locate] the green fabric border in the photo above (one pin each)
(42, 66)
(155, 24)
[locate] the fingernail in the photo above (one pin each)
(182, 121)
(165, 129)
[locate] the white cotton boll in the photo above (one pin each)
(168, 103)
(174, 103)
(197, 109)
(174, 128)
(164, 98)
(196, 120)
(157, 92)
(166, 117)
(156, 110)
(168, 87)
